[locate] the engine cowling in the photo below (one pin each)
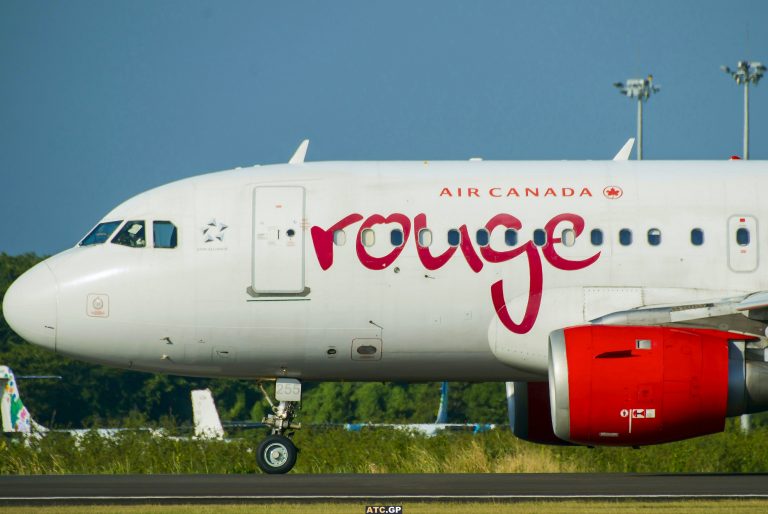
(632, 386)
(529, 411)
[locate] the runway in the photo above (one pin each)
(82, 489)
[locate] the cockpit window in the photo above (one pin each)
(132, 234)
(101, 233)
(164, 234)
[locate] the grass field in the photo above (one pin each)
(569, 507)
(379, 451)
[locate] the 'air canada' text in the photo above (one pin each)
(515, 192)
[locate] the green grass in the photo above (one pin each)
(568, 507)
(334, 450)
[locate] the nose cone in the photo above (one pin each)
(30, 305)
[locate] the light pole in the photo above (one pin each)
(745, 73)
(642, 90)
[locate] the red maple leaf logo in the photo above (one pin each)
(612, 192)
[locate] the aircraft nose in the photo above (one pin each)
(30, 306)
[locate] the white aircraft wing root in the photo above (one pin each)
(747, 314)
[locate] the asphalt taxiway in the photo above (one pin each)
(80, 489)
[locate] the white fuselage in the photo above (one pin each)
(239, 297)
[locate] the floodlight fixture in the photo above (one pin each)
(640, 89)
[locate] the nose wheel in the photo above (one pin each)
(277, 453)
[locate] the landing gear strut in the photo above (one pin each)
(277, 453)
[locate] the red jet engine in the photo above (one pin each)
(636, 385)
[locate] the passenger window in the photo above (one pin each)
(654, 237)
(339, 237)
(625, 237)
(510, 237)
(569, 237)
(482, 237)
(368, 237)
(164, 234)
(396, 237)
(454, 237)
(596, 237)
(101, 233)
(132, 234)
(742, 236)
(697, 237)
(539, 237)
(425, 238)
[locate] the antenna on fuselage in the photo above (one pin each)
(623, 154)
(300, 153)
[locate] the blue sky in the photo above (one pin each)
(102, 100)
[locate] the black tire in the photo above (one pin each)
(276, 455)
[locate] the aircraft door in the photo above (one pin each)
(278, 240)
(742, 243)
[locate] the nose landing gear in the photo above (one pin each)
(277, 453)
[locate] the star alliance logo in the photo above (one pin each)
(213, 231)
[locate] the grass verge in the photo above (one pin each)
(334, 450)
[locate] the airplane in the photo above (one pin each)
(16, 419)
(626, 300)
(208, 424)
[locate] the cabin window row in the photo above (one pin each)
(133, 234)
(568, 237)
(652, 237)
(425, 237)
(453, 237)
